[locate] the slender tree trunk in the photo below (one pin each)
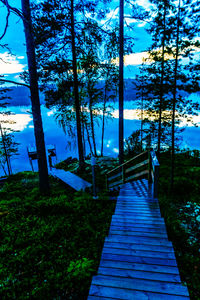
(88, 137)
(174, 99)
(121, 84)
(161, 82)
(37, 119)
(76, 94)
(5, 151)
(103, 120)
(92, 126)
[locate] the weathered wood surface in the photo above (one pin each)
(138, 260)
(70, 179)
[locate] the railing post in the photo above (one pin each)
(150, 167)
(155, 182)
(123, 174)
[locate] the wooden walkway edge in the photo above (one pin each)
(138, 260)
(70, 179)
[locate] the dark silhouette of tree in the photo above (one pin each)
(35, 101)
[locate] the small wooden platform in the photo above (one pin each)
(138, 261)
(70, 179)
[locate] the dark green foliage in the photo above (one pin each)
(50, 246)
(182, 214)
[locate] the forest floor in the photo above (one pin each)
(51, 245)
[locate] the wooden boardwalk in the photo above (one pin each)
(138, 260)
(70, 179)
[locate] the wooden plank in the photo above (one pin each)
(137, 229)
(139, 218)
(141, 285)
(115, 183)
(165, 261)
(133, 245)
(135, 224)
(145, 162)
(141, 240)
(140, 234)
(114, 176)
(71, 179)
(137, 266)
(137, 213)
(137, 175)
(138, 274)
(139, 259)
(132, 250)
(127, 162)
(126, 294)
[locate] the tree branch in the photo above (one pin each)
(14, 82)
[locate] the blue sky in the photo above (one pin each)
(15, 39)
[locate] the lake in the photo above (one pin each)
(55, 135)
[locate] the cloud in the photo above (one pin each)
(15, 122)
(9, 64)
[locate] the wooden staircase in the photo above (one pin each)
(138, 260)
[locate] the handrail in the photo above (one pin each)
(143, 165)
(127, 162)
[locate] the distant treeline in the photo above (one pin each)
(20, 96)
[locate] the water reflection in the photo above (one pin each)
(55, 135)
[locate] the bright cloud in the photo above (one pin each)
(15, 122)
(9, 64)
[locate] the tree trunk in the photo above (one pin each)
(37, 119)
(174, 100)
(5, 151)
(76, 94)
(88, 137)
(92, 126)
(121, 84)
(161, 82)
(103, 120)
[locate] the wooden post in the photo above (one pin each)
(149, 175)
(155, 183)
(93, 163)
(123, 174)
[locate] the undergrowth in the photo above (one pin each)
(50, 246)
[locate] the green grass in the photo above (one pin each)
(182, 215)
(50, 246)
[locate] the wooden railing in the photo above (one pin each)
(144, 165)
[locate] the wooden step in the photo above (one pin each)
(109, 263)
(137, 219)
(143, 257)
(140, 234)
(134, 245)
(139, 259)
(141, 240)
(141, 285)
(135, 224)
(107, 292)
(138, 274)
(138, 252)
(138, 229)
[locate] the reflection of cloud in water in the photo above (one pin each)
(116, 150)
(51, 112)
(135, 114)
(15, 122)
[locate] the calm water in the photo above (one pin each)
(55, 135)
